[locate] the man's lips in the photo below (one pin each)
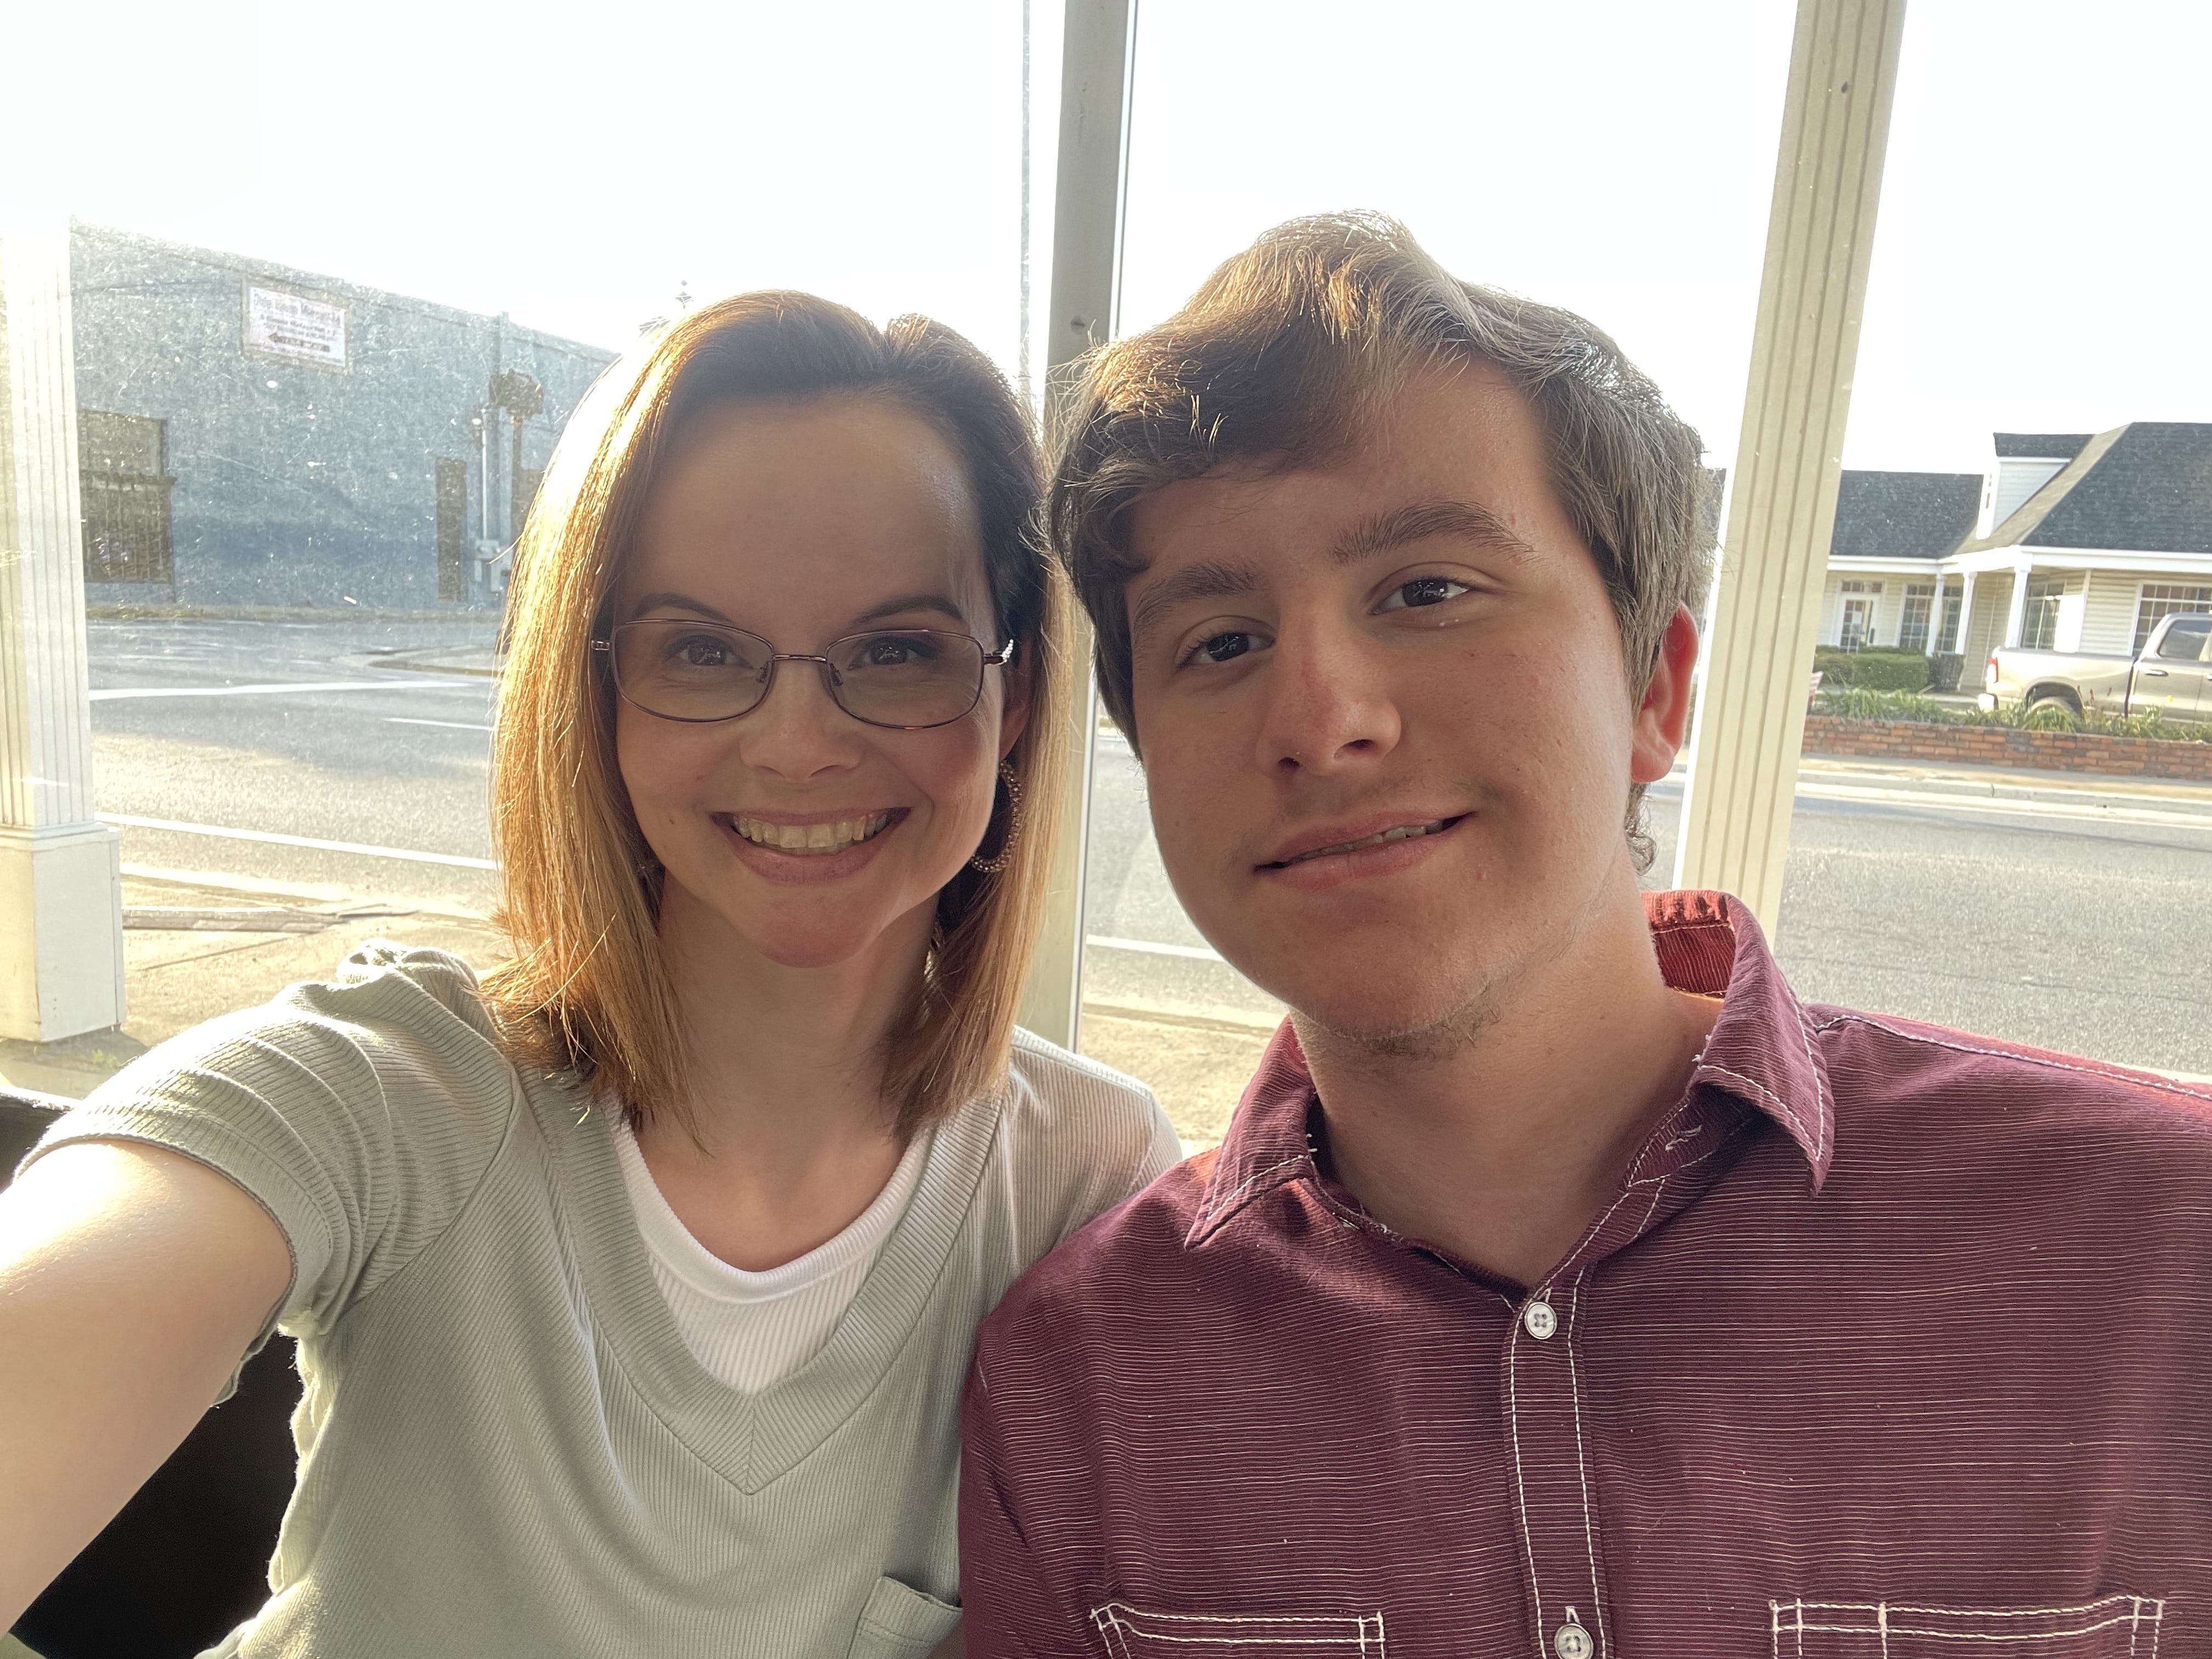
(1335, 839)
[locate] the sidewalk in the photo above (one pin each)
(196, 947)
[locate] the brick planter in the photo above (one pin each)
(2005, 745)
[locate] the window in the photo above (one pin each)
(1912, 626)
(2184, 640)
(1861, 609)
(126, 498)
(2038, 617)
(2162, 600)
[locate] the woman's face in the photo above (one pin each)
(804, 523)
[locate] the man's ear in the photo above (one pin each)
(1020, 676)
(1663, 719)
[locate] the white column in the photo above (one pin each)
(1782, 508)
(1965, 616)
(61, 917)
(1097, 59)
(2019, 608)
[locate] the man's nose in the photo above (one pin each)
(1331, 703)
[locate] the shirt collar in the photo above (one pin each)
(1761, 1051)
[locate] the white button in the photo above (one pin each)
(1540, 1322)
(1572, 1641)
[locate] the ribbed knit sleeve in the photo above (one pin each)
(360, 1113)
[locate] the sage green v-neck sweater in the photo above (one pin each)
(505, 1448)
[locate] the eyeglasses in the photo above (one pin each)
(905, 678)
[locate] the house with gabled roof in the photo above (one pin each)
(2069, 542)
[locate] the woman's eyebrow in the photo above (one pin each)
(905, 602)
(675, 602)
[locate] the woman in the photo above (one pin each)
(634, 1289)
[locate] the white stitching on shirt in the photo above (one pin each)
(1780, 1105)
(1789, 1620)
(1519, 1479)
(2111, 1074)
(1581, 1459)
(1823, 1108)
(1117, 1620)
(1236, 1195)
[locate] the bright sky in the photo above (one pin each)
(2040, 264)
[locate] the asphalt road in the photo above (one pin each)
(2047, 916)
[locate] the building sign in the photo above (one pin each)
(282, 324)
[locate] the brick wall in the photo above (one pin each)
(2004, 745)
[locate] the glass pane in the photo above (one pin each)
(1670, 106)
(336, 290)
(2049, 890)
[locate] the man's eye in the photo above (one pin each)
(1220, 647)
(1424, 590)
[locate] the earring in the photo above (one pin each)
(1013, 835)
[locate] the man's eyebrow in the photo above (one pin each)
(1206, 580)
(1401, 526)
(676, 602)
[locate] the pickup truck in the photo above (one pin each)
(2172, 677)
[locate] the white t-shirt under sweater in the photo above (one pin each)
(751, 1329)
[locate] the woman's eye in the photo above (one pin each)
(1423, 591)
(891, 654)
(701, 651)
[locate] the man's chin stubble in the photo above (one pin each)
(1374, 1041)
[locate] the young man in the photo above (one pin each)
(1565, 1287)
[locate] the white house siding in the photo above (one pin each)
(2108, 622)
(1985, 627)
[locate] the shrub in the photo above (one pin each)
(1859, 702)
(1874, 670)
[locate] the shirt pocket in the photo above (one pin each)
(900, 1622)
(2112, 1627)
(1133, 1633)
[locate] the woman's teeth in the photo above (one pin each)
(810, 839)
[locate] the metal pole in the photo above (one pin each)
(1782, 510)
(1097, 56)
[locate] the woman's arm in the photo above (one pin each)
(132, 1280)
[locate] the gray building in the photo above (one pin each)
(252, 435)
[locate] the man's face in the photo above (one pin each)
(1412, 643)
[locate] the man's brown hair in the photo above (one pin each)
(1285, 356)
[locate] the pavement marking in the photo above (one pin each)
(1153, 947)
(454, 725)
(408, 854)
(111, 693)
(2032, 809)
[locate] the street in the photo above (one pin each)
(2036, 913)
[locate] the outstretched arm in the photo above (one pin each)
(132, 1280)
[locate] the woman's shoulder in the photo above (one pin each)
(1071, 1123)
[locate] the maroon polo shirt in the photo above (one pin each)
(1897, 1343)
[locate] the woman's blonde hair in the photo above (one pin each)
(587, 990)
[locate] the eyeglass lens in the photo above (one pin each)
(905, 676)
